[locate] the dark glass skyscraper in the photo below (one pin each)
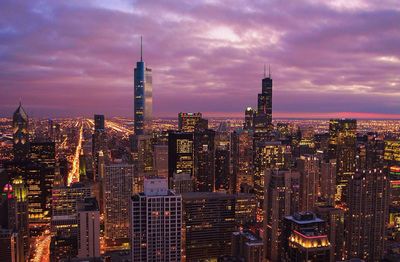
(143, 98)
(20, 134)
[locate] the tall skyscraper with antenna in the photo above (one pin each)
(143, 95)
(263, 115)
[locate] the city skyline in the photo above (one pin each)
(327, 60)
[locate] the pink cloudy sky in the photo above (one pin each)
(71, 58)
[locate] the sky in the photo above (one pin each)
(337, 58)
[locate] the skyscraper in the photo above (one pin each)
(39, 179)
(367, 215)
(99, 143)
(210, 218)
(280, 201)
(262, 120)
(143, 95)
(304, 238)
(89, 228)
(118, 186)
(187, 121)
(20, 134)
(156, 223)
(342, 147)
(242, 160)
(180, 154)
(204, 160)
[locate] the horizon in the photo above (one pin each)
(325, 57)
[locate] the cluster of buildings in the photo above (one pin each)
(262, 192)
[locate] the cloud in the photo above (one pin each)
(70, 58)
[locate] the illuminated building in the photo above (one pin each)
(210, 218)
(161, 160)
(118, 186)
(143, 96)
(182, 183)
(20, 134)
(309, 181)
(9, 246)
(99, 122)
(268, 155)
(247, 246)
(204, 160)
(334, 218)
(328, 181)
(262, 120)
(64, 208)
(20, 214)
(180, 154)
(342, 147)
(156, 223)
(39, 180)
(248, 118)
(143, 153)
(222, 169)
(187, 122)
(82, 166)
(281, 199)
(62, 247)
(242, 159)
(367, 215)
(392, 161)
(304, 238)
(99, 143)
(89, 228)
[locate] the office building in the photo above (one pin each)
(242, 160)
(187, 122)
(161, 160)
(143, 96)
(99, 143)
(182, 183)
(246, 246)
(89, 228)
(304, 238)
(281, 200)
(156, 223)
(210, 218)
(342, 147)
(204, 160)
(180, 154)
(268, 155)
(39, 179)
(334, 218)
(328, 181)
(20, 134)
(222, 169)
(118, 187)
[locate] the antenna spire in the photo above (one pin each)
(269, 71)
(265, 71)
(141, 50)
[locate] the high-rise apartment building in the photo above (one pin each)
(118, 185)
(367, 215)
(89, 228)
(309, 167)
(156, 223)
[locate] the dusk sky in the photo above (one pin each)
(76, 58)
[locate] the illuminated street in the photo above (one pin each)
(73, 175)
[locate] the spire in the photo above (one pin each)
(141, 50)
(269, 71)
(265, 71)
